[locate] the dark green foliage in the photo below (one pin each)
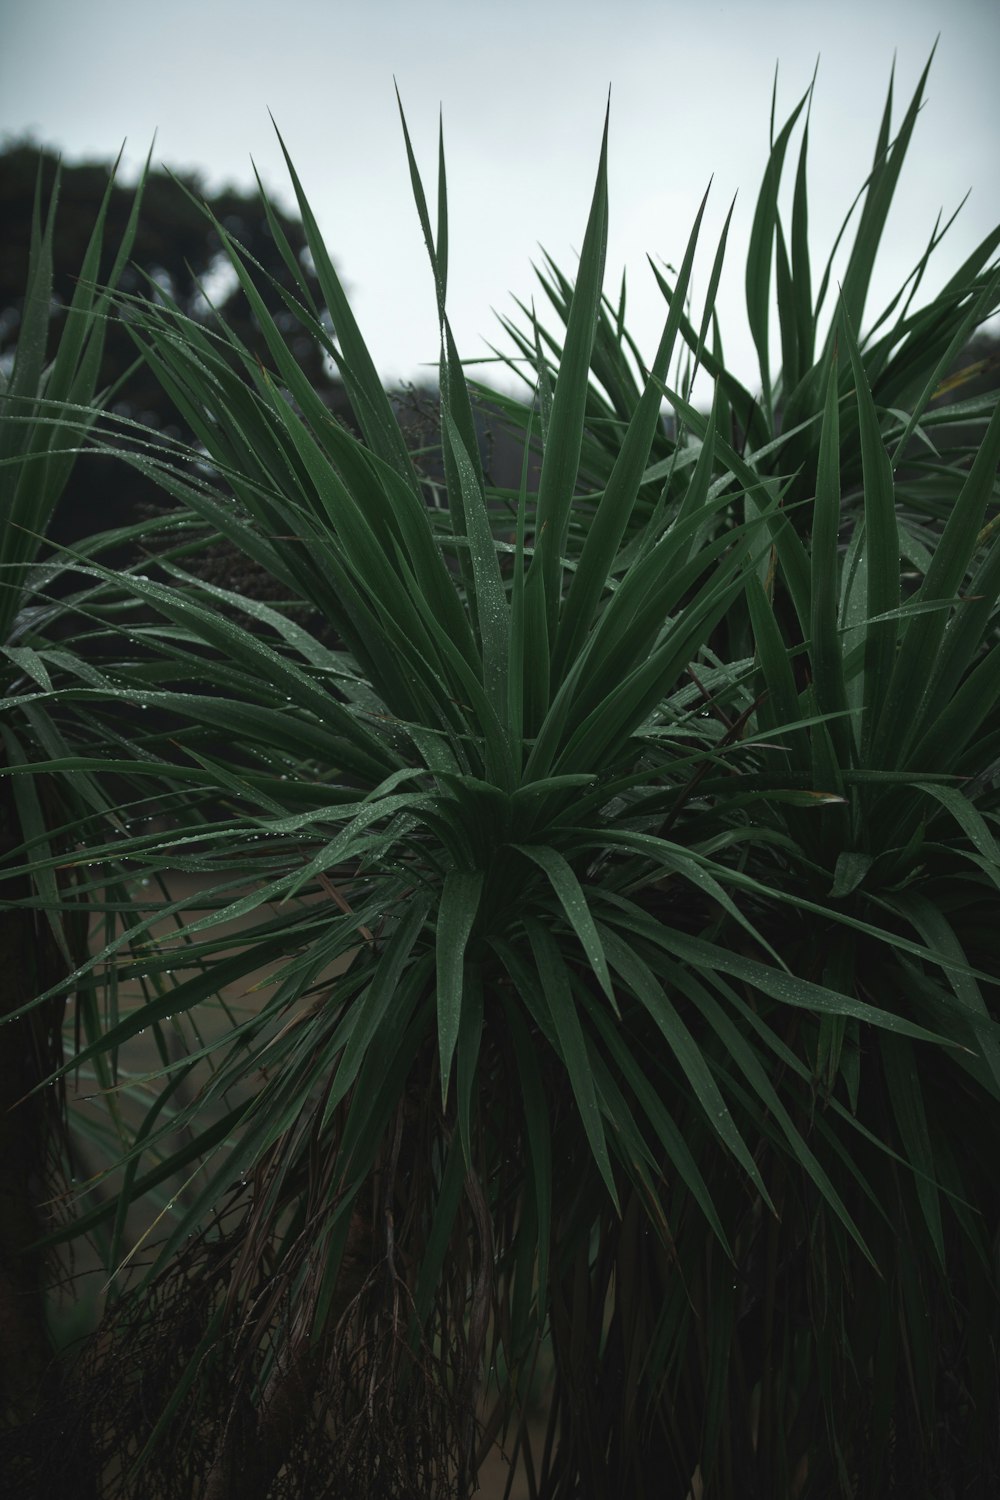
(625, 874)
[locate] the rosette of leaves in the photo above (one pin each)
(589, 1038)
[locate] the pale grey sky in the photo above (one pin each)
(523, 87)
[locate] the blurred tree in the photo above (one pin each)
(176, 246)
(179, 249)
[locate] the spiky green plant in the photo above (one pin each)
(632, 998)
(876, 610)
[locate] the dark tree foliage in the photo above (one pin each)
(178, 248)
(176, 245)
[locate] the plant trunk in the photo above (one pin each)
(25, 1058)
(30, 1127)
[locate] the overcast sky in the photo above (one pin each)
(523, 85)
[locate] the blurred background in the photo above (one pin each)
(523, 87)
